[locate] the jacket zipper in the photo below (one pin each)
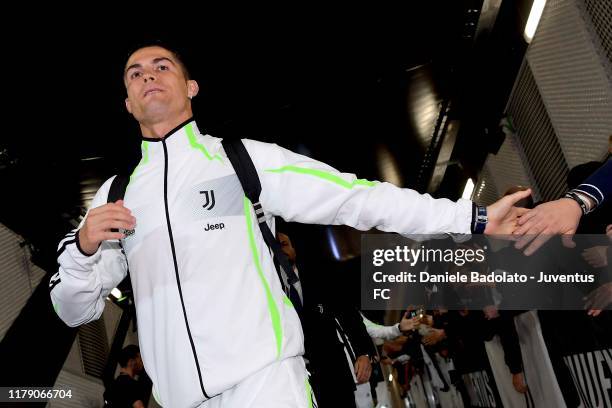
(178, 281)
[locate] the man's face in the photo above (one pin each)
(157, 89)
(138, 366)
(286, 246)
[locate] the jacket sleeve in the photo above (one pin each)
(377, 331)
(79, 288)
(598, 185)
(298, 188)
(510, 343)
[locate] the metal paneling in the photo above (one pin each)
(82, 369)
(535, 135)
(18, 277)
(111, 315)
(94, 347)
(572, 80)
(561, 104)
(86, 391)
(485, 191)
(506, 169)
(600, 15)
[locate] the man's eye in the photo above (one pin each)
(163, 67)
(135, 75)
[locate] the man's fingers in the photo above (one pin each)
(95, 232)
(526, 227)
(360, 371)
(588, 257)
(527, 216)
(117, 206)
(567, 240)
(594, 312)
(520, 212)
(106, 236)
(105, 219)
(525, 240)
(540, 240)
(109, 222)
(596, 300)
(514, 198)
(119, 225)
(601, 300)
(96, 219)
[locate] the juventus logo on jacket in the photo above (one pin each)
(210, 199)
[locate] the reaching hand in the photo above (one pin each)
(539, 224)
(407, 323)
(596, 256)
(490, 312)
(598, 299)
(427, 320)
(503, 216)
(434, 336)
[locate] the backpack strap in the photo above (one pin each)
(118, 187)
(247, 174)
(117, 190)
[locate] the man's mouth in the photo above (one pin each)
(152, 91)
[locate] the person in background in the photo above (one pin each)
(126, 391)
(337, 346)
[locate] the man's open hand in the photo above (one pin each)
(539, 224)
(434, 337)
(503, 215)
(408, 323)
(598, 299)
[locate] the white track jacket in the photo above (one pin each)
(211, 310)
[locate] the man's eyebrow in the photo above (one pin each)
(159, 59)
(155, 61)
(133, 66)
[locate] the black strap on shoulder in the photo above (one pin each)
(117, 188)
(247, 174)
(117, 192)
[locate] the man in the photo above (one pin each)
(126, 391)
(337, 344)
(215, 326)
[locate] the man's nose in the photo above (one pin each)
(149, 76)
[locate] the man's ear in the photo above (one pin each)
(192, 88)
(128, 105)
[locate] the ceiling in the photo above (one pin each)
(360, 93)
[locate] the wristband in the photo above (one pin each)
(583, 206)
(479, 219)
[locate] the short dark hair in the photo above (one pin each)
(128, 353)
(165, 46)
